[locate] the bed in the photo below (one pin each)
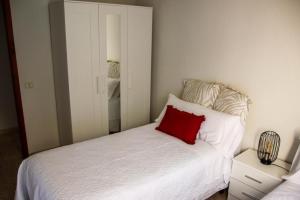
(118, 167)
(141, 163)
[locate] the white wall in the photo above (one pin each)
(33, 49)
(8, 116)
(252, 45)
(113, 37)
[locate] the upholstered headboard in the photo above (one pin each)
(217, 96)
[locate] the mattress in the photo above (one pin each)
(140, 163)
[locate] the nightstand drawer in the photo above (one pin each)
(244, 192)
(254, 177)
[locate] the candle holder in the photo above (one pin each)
(268, 147)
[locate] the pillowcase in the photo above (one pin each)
(221, 130)
(232, 102)
(113, 69)
(180, 124)
(203, 93)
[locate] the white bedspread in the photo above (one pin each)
(285, 191)
(290, 189)
(137, 164)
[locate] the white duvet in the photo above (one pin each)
(290, 189)
(140, 163)
(286, 191)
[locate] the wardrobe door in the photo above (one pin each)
(139, 65)
(81, 22)
(113, 64)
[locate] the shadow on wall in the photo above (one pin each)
(295, 145)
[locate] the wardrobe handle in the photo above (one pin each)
(104, 85)
(97, 84)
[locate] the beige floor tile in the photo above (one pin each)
(219, 196)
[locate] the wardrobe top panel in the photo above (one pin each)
(95, 1)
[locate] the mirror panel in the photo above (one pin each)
(113, 43)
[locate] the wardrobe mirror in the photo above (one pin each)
(113, 43)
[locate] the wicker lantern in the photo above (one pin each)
(268, 147)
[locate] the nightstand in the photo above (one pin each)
(251, 180)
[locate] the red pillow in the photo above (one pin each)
(180, 124)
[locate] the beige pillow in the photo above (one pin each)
(232, 102)
(200, 92)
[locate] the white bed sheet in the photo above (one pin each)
(288, 190)
(285, 191)
(140, 163)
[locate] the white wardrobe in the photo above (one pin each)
(102, 67)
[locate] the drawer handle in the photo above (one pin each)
(253, 179)
(249, 196)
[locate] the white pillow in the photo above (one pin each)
(221, 130)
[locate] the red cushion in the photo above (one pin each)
(180, 124)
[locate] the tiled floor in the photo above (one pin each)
(219, 196)
(10, 158)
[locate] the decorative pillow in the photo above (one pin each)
(203, 93)
(180, 124)
(113, 69)
(232, 102)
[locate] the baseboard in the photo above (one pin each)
(8, 130)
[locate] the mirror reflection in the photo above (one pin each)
(113, 42)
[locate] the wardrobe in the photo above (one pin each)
(102, 67)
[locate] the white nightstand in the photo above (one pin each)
(251, 180)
